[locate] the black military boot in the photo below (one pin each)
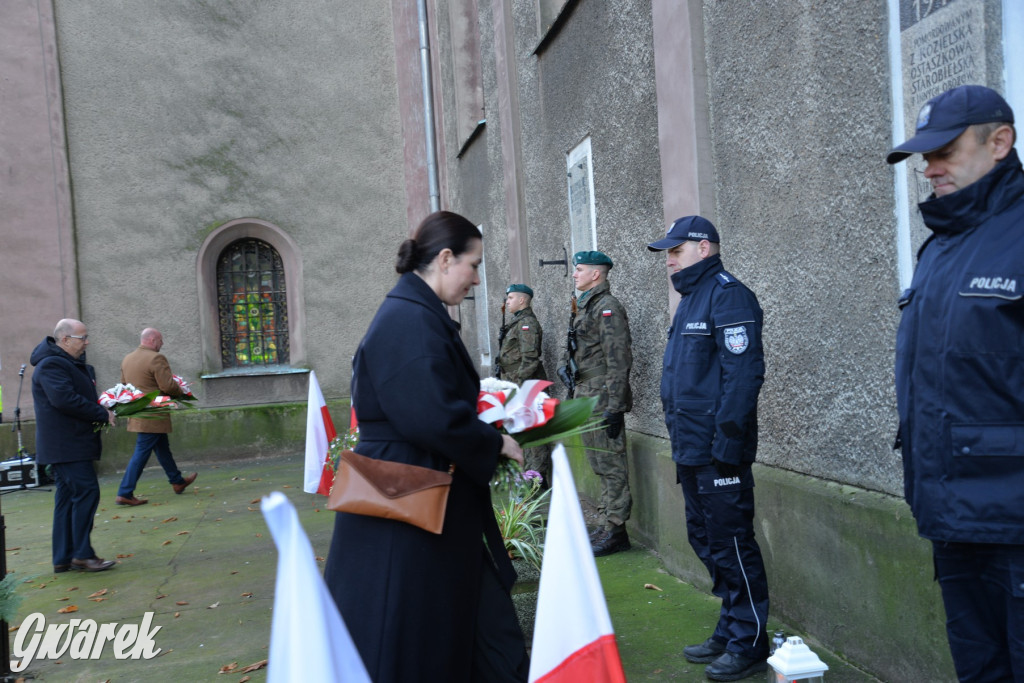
(611, 541)
(732, 667)
(708, 651)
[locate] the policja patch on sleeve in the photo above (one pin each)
(736, 339)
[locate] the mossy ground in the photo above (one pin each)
(209, 548)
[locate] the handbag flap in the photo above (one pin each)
(395, 479)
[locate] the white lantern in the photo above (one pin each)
(794, 661)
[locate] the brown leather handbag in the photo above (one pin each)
(392, 490)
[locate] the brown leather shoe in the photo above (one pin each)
(93, 564)
(121, 500)
(178, 488)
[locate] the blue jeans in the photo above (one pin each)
(75, 501)
(145, 444)
(983, 592)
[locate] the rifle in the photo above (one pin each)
(502, 333)
(570, 371)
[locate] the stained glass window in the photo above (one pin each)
(252, 305)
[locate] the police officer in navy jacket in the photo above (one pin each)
(713, 371)
(960, 376)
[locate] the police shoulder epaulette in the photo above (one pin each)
(725, 279)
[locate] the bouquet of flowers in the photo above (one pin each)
(531, 417)
(127, 401)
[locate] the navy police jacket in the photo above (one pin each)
(960, 364)
(714, 367)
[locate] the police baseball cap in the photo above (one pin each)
(945, 117)
(686, 229)
(519, 288)
(591, 258)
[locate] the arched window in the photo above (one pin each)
(252, 309)
(252, 305)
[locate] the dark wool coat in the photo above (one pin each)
(409, 597)
(64, 394)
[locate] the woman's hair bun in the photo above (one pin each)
(407, 257)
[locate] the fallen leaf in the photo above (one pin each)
(214, 605)
(228, 668)
(319, 559)
(251, 509)
(116, 517)
(12, 629)
(245, 679)
(42, 585)
(254, 667)
(177, 614)
(72, 588)
(128, 521)
(235, 572)
(246, 595)
(181, 533)
(102, 591)
(219, 519)
(651, 587)
(170, 519)
(63, 599)
(121, 556)
(17, 547)
(254, 502)
(97, 599)
(181, 602)
(67, 610)
(287, 486)
(234, 478)
(255, 479)
(162, 595)
(259, 535)
(166, 542)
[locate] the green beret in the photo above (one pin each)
(591, 258)
(519, 288)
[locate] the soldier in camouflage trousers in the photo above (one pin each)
(603, 358)
(520, 359)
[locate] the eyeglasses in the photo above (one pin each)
(83, 337)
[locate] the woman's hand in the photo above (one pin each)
(511, 450)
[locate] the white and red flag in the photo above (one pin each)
(308, 638)
(319, 434)
(573, 638)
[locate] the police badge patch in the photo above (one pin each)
(736, 339)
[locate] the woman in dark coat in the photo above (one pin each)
(423, 606)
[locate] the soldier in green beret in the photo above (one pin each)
(520, 359)
(599, 358)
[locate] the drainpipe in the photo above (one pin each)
(428, 108)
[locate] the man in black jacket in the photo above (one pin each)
(958, 384)
(67, 439)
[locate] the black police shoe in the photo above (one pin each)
(708, 651)
(610, 542)
(732, 667)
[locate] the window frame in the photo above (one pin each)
(209, 319)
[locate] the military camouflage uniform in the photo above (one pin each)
(519, 359)
(604, 357)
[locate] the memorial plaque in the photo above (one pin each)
(582, 220)
(943, 44)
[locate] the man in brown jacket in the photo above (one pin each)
(148, 370)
